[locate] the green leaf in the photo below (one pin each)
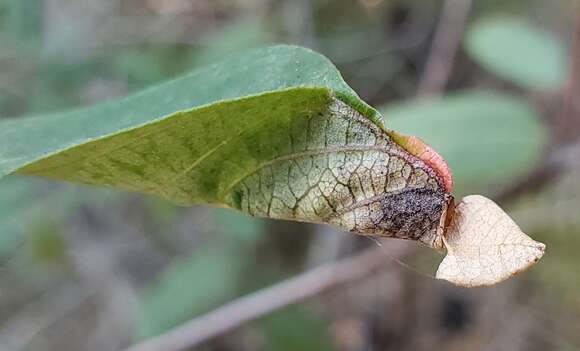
(189, 287)
(487, 138)
(274, 133)
(517, 51)
(191, 118)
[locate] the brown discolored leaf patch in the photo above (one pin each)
(485, 246)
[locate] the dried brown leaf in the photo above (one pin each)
(485, 246)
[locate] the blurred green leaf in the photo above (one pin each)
(297, 328)
(46, 243)
(164, 213)
(23, 19)
(31, 209)
(246, 230)
(15, 195)
(189, 287)
(517, 51)
(143, 65)
(487, 138)
(238, 36)
(11, 238)
(158, 141)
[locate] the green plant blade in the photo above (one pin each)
(518, 52)
(274, 133)
(261, 71)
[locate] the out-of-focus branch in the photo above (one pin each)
(445, 43)
(568, 128)
(234, 314)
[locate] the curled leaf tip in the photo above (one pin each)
(418, 148)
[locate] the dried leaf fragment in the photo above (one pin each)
(485, 246)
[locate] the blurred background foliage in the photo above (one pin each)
(92, 269)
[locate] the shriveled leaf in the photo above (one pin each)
(485, 246)
(518, 51)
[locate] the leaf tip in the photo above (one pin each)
(485, 246)
(418, 148)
